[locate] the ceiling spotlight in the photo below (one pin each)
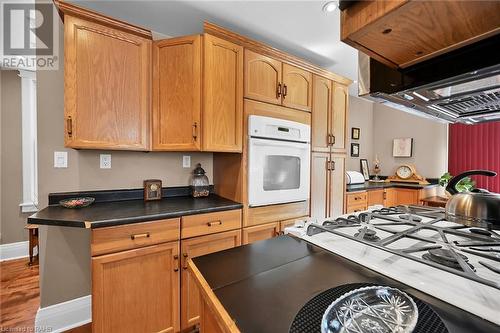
(330, 6)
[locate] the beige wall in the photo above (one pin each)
(380, 124)
(12, 221)
(360, 116)
(430, 141)
(65, 256)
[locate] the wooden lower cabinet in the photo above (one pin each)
(136, 290)
(260, 232)
(194, 247)
(407, 196)
(376, 197)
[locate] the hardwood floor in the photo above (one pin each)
(20, 294)
(20, 297)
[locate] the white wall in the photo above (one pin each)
(380, 124)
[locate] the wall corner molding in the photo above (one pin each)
(64, 316)
(13, 251)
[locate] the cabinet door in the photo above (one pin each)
(177, 94)
(320, 185)
(262, 77)
(339, 115)
(337, 186)
(107, 76)
(375, 197)
(297, 88)
(390, 198)
(407, 196)
(223, 96)
(321, 111)
(194, 247)
(260, 232)
(136, 290)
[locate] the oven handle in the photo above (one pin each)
(279, 143)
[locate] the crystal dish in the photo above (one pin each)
(374, 309)
(77, 202)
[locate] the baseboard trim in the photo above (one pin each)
(13, 251)
(64, 316)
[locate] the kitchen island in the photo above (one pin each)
(246, 289)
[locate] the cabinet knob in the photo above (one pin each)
(137, 236)
(195, 131)
(278, 90)
(285, 91)
(69, 126)
(214, 223)
(185, 266)
(176, 263)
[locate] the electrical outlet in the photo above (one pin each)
(105, 161)
(186, 161)
(60, 159)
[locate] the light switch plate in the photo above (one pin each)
(60, 159)
(105, 161)
(186, 161)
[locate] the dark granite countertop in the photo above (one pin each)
(378, 185)
(263, 285)
(104, 214)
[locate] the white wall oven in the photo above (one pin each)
(279, 161)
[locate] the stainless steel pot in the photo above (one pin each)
(478, 208)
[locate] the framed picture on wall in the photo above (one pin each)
(355, 133)
(364, 168)
(402, 147)
(354, 149)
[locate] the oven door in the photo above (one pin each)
(278, 172)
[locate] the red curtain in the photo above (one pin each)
(476, 147)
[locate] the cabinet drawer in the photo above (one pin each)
(260, 232)
(204, 224)
(356, 208)
(125, 237)
(356, 198)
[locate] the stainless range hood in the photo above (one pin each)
(461, 86)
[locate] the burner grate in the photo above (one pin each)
(477, 244)
(308, 319)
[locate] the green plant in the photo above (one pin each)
(464, 185)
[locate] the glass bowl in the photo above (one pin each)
(374, 309)
(77, 202)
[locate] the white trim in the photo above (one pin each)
(14, 251)
(64, 316)
(29, 141)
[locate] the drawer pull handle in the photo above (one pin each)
(213, 223)
(176, 265)
(136, 236)
(185, 255)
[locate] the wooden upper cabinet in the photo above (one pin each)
(262, 78)
(339, 116)
(401, 33)
(321, 114)
(297, 88)
(177, 94)
(223, 95)
(107, 86)
(136, 290)
(194, 247)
